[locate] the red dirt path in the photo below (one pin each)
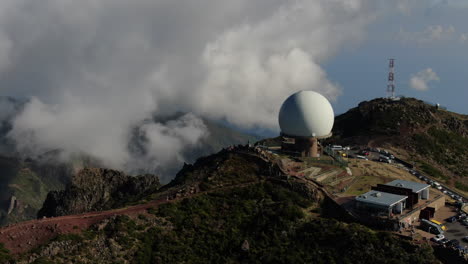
(24, 236)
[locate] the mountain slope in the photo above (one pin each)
(24, 185)
(24, 182)
(432, 138)
(231, 207)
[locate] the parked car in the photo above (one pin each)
(336, 147)
(385, 160)
(438, 238)
(462, 249)
(443, 241)
(453, 243)
(464, 222)
(465, 239)
(451, 219)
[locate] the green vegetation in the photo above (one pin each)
(431, 171)
(222, 169)
(4, 254)
(234, 170)
(263, 223)
(69, 237)
(29, 188)
(29, 182)
(42, 260)
(461, 186)
(446, 148)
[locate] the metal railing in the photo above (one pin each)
(338, 158)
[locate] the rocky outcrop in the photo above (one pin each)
(13, 204)
(95, 189)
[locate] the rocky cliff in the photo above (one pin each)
(95, 189)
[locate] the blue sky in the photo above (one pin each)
(429, 36)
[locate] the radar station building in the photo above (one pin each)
(381, 202)
(305, 118)
(399, 200)
(393, 197)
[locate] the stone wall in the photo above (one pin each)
(413, 216)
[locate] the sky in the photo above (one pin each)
(429, 43)
(97, 71)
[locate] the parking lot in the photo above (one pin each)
(380, 155)
(456, 231)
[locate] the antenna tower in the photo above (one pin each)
(391, 79)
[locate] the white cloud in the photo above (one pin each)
(430, 34)
(97, 68)
(420, 81)
(464, 37)
(404, 6)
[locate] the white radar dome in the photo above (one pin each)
(306, 114)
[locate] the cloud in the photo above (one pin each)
(464, 37)
(430, 34)
(96, 69)
(420, 80)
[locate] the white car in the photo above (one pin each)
(438, 238)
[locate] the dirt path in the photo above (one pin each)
(25, 236)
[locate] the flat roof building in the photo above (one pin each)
(399, 201)
(381, 202)
(421, 189)
(415, 186)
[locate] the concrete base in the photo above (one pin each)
(307, 146)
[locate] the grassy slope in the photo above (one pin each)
(29, 189)
(29, 182)
(214, 228)
(435, 140)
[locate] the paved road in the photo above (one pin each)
(373, 155)
(456, 231)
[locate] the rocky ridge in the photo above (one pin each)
(96, 189)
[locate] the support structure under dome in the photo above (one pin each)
(304, 146)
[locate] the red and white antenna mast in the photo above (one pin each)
(391, 79)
